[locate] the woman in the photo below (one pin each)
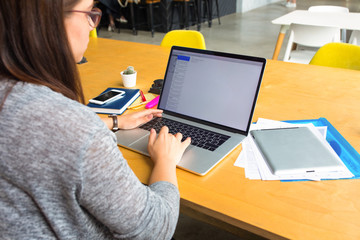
(62, 175)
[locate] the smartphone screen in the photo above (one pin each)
(107, 95)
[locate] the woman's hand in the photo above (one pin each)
(133, 120)
(166, 151)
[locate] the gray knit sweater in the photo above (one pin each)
(62, 175)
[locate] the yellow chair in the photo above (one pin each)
(93, 33)
(184, 38)
(339, 55)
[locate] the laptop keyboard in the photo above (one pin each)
(199, 137)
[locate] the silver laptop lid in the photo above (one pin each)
(213, 88)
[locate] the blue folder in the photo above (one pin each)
(343, 149)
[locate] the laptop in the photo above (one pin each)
(209, 96)
(296, 150)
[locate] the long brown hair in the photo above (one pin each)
(34, 47)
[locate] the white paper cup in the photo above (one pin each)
(129, 80)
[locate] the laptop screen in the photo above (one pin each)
(215, 87)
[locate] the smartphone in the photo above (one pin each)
(107, 96)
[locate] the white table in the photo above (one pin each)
(350, 21)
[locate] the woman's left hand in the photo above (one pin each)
(133, 120)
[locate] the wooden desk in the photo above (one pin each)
(224, 197)
(349, 21)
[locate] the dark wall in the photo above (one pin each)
(162, 14)
(226, 7)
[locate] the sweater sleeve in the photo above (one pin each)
(114, 196)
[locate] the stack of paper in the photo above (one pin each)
(255, 166)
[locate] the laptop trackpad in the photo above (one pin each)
(141, 145)
(126, 137)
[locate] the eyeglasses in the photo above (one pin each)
(93, 16)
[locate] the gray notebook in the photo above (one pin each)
(295, 151)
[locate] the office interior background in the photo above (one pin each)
(243, 30)
(249, 33)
